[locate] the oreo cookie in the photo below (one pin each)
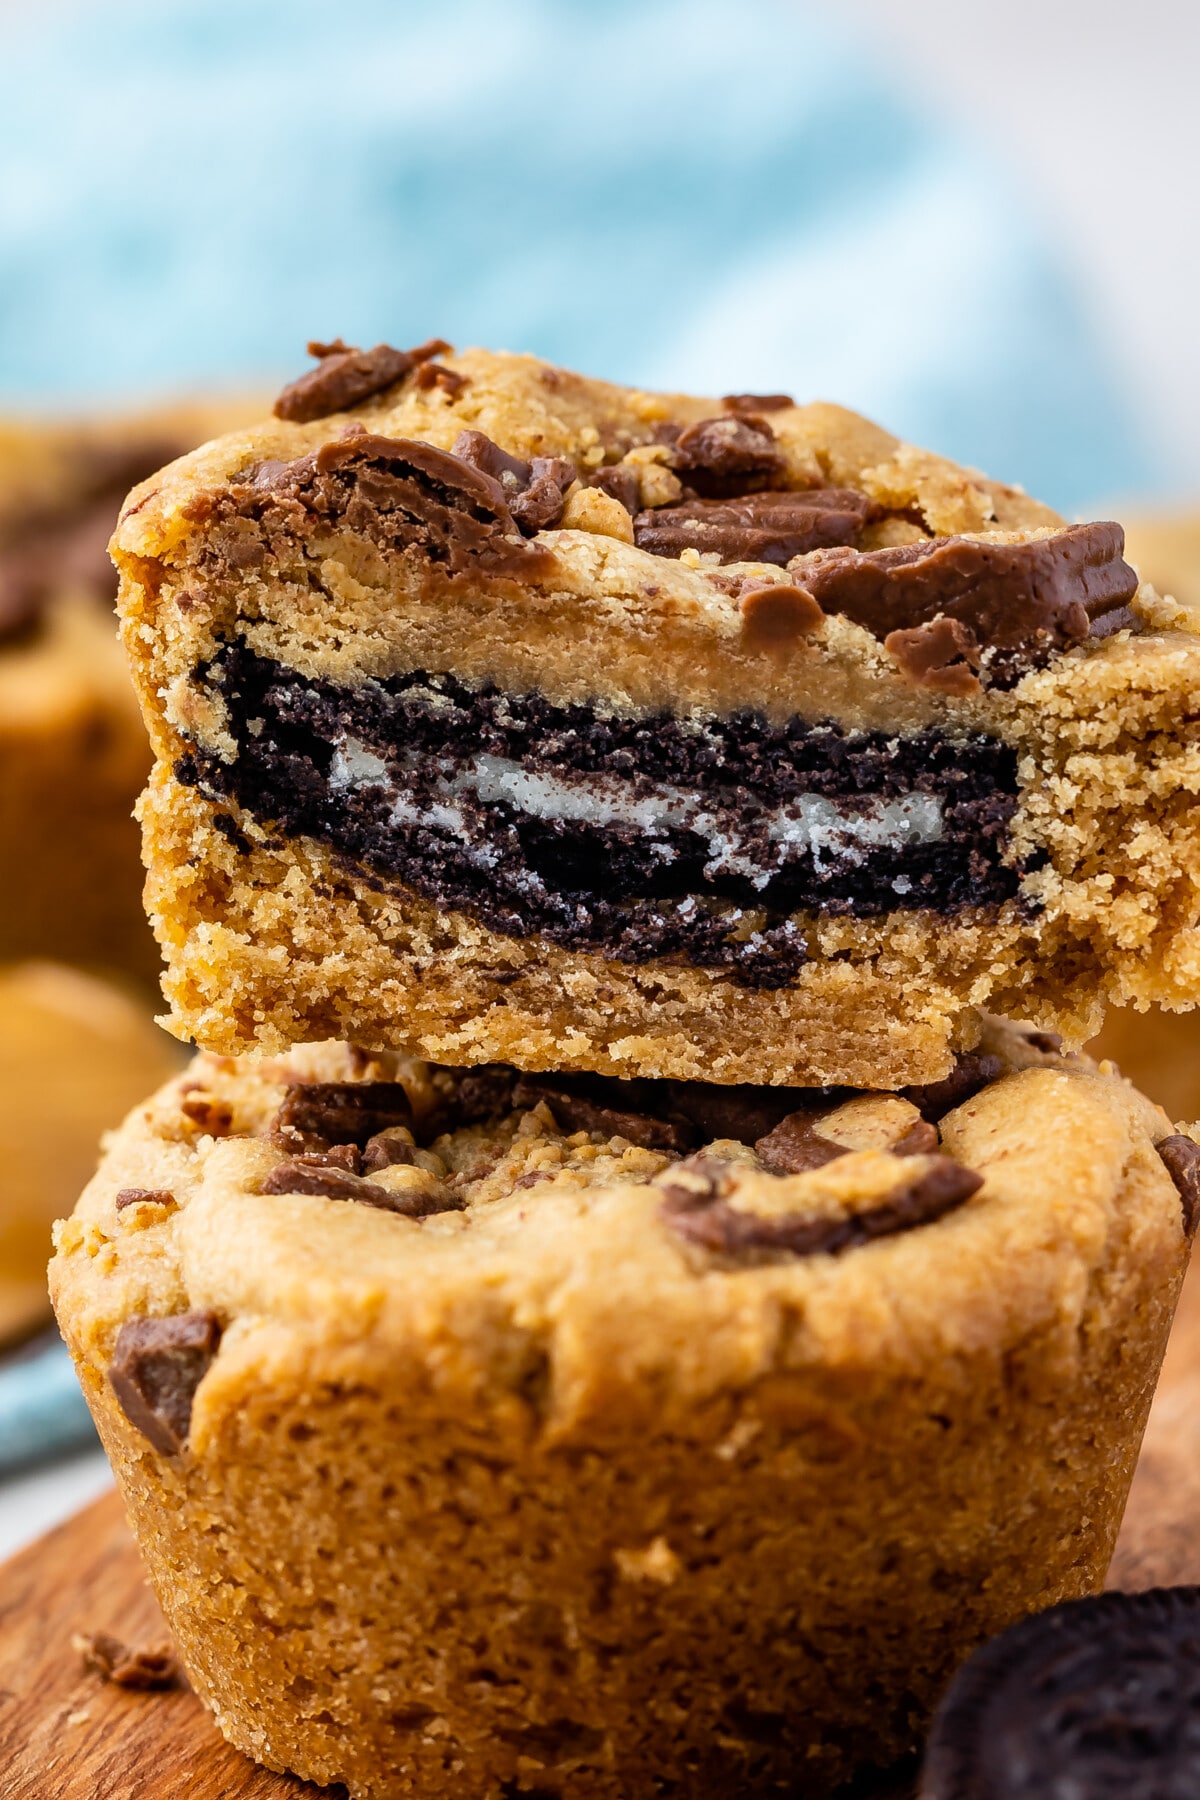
(1090, 1700)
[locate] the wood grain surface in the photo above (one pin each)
(67, 1735)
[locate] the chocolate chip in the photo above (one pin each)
(756, 403)
(713, 1224)
(208, 1114)
(921, 1139)
(973, 1070)
(480, 1096)
(1091, 1698)
(767, 528)
(620, 480)
(796, 1145)
(148, 1196)
(311, 1175)
(574, 1111)
(727, 456)
(316, 1114)
(1050, 1042)
(145, 1671)
(1181, 1158)
(1019, 601)
(435, 374)
(345, 376)
(156, 1367)
(942, 654)
(535, 491)
(389, 1149)
(775, 617)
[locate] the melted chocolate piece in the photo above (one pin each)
(796, 1145)
(389, 1149)
(317, 1114)
(535, 491)
(1092, 1699)
(714, 1224)
(942, 654)
(1019, 602)
(776, 617)
(727, 456)
(756, 403)
(1181, 1158)
(313, 1175)
(401, 494)
(765, 528)
(573, 1111)
(434, 374)
(139, 1196)
(973, 1070)
(156, 1367)
(345, 376)
(620, 480)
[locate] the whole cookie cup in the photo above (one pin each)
(488, 1433)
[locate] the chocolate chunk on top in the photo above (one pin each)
(316, 1114)
(1018, 602)
(1181, 1158)
(728, 456)
(345, 376)
(768, 527)
(401, 494)
(316, 1176)
(1092, 1698)
(535, 491)
(156, 1367)
(756, 403)
(574, 1111)
(712, 1223)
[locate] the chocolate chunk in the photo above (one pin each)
(345, 376)
(535, 491)
(1019, 601)
(1118, 618)
(398, 492)
(150, 1196)
(973, 1070)
(728, 456)
(435, 374)
(921, 1139)
(1049, 1042)
(1181, 1157)
(796, 1145)
(389, 1149)
(311, 1175)
(756, 403)
(574, 1111)
(208, 1113)
(145, 1671)
(156, 1367)
(768, 528)
(713, 1224)
(1093, 1698)
(482, 1094)
(316, 1114)
(776, 617)
(942, 655)
(620, 480)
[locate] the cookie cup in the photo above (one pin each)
(540, 1495)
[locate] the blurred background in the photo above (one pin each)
(977, 225)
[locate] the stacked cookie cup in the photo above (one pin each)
(608, 1309)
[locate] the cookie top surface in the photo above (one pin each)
(781, 557)
(464, 1223)
(1094, 1698)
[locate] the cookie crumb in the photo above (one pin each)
(124, 1665)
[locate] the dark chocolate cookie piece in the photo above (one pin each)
(1091, 1700)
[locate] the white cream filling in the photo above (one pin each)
(830, 831)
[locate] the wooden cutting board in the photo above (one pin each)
(67, 1735)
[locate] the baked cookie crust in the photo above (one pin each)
(496, 707)
(482, 1430)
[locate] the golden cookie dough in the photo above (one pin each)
(434, 785)
(73, 753)
(74, 1055)
(475, 1446)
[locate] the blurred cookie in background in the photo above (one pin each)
(73, 754)
(1159, 1052)
(1165, 550)
(75, 1054)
